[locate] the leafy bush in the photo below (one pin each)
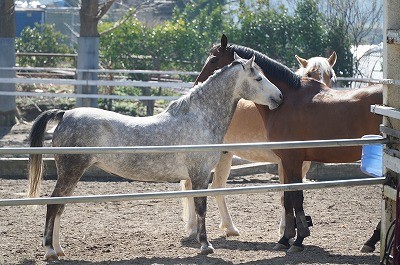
(42, 38)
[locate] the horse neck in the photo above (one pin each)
(216, 99)
(286, 91)
(279, 74)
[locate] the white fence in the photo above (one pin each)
(192, 148)
(183, 86)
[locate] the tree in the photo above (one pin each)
(361, 20)
(7, 59)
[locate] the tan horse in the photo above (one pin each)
(311, 111)
(318, 68)
(247, 126)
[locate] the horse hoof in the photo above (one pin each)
(280, 246)
(367, 249)
(51, 255)
(295, 249)
(232, 232)
(205, 250)
(59, 250)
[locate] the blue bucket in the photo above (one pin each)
(371, 159)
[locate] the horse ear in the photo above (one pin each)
(224, 41)
(303, 62)
(332, 59)
(250, 62)
(236, 56)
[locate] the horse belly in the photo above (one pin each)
(334, 155)
(144, 167)
(247, 126)
(257, 155)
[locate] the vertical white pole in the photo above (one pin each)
(391, 95)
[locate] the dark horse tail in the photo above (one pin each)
(36, 138)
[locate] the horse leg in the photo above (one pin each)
(189, 214)
(68, 177)
(305, 168)
(221, 175)
(369, 245)
(200, 181)
(289, 228)
(301, 222)
(200, 204)
(282, 223)
(291, 172)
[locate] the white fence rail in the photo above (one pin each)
(192, 193)
(70, 95)
(96, 82)
(119, 71)
(192, 148)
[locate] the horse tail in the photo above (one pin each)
(36, 138)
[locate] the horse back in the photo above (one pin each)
(323, 114)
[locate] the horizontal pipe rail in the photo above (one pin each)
(72, 95)
(127, 71)
(122, 71)
(386, 111)
(192, 193)
(192, 148)
(370, 80)
(96, 82)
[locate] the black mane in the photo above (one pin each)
(268, 65)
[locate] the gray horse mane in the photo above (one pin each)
(182, 104)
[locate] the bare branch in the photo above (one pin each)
(117, 24)
(104, 8)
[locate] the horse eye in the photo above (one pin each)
(258, 78)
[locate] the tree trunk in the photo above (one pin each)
(88, 51)
(7, 59)
(88, 47)
(89, 18)
(88, 58)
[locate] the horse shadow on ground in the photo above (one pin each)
(312, 254)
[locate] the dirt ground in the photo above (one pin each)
(152, 232)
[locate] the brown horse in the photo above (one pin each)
(311, 111)
(247, 126)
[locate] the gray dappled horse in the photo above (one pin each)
(200, 117)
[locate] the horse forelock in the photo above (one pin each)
(322, 64)
(270, 67)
